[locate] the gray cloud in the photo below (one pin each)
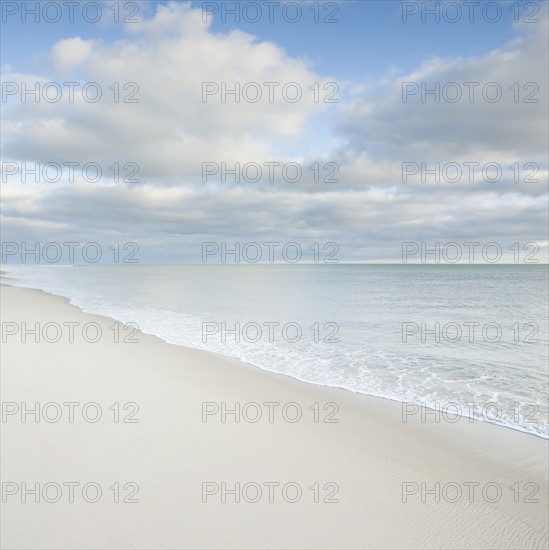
(171, 132)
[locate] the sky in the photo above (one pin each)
(364, 135)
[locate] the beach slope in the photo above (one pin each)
(141, 421)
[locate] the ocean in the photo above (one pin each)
(460, 339)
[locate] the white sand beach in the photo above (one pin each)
(358, 464)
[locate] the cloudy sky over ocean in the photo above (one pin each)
(362, 123)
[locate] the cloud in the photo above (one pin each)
(171, 131)
(431, 128)
(70, 53)
(163, 65)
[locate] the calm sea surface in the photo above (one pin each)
(440, 335)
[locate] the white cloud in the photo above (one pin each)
(70, 53)
(437, 130)
(171, 131)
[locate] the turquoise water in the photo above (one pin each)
(351, 321)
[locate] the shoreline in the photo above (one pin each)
(369, 453)
(263, 369)
(286, 375)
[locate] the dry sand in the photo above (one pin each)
(170, 453)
